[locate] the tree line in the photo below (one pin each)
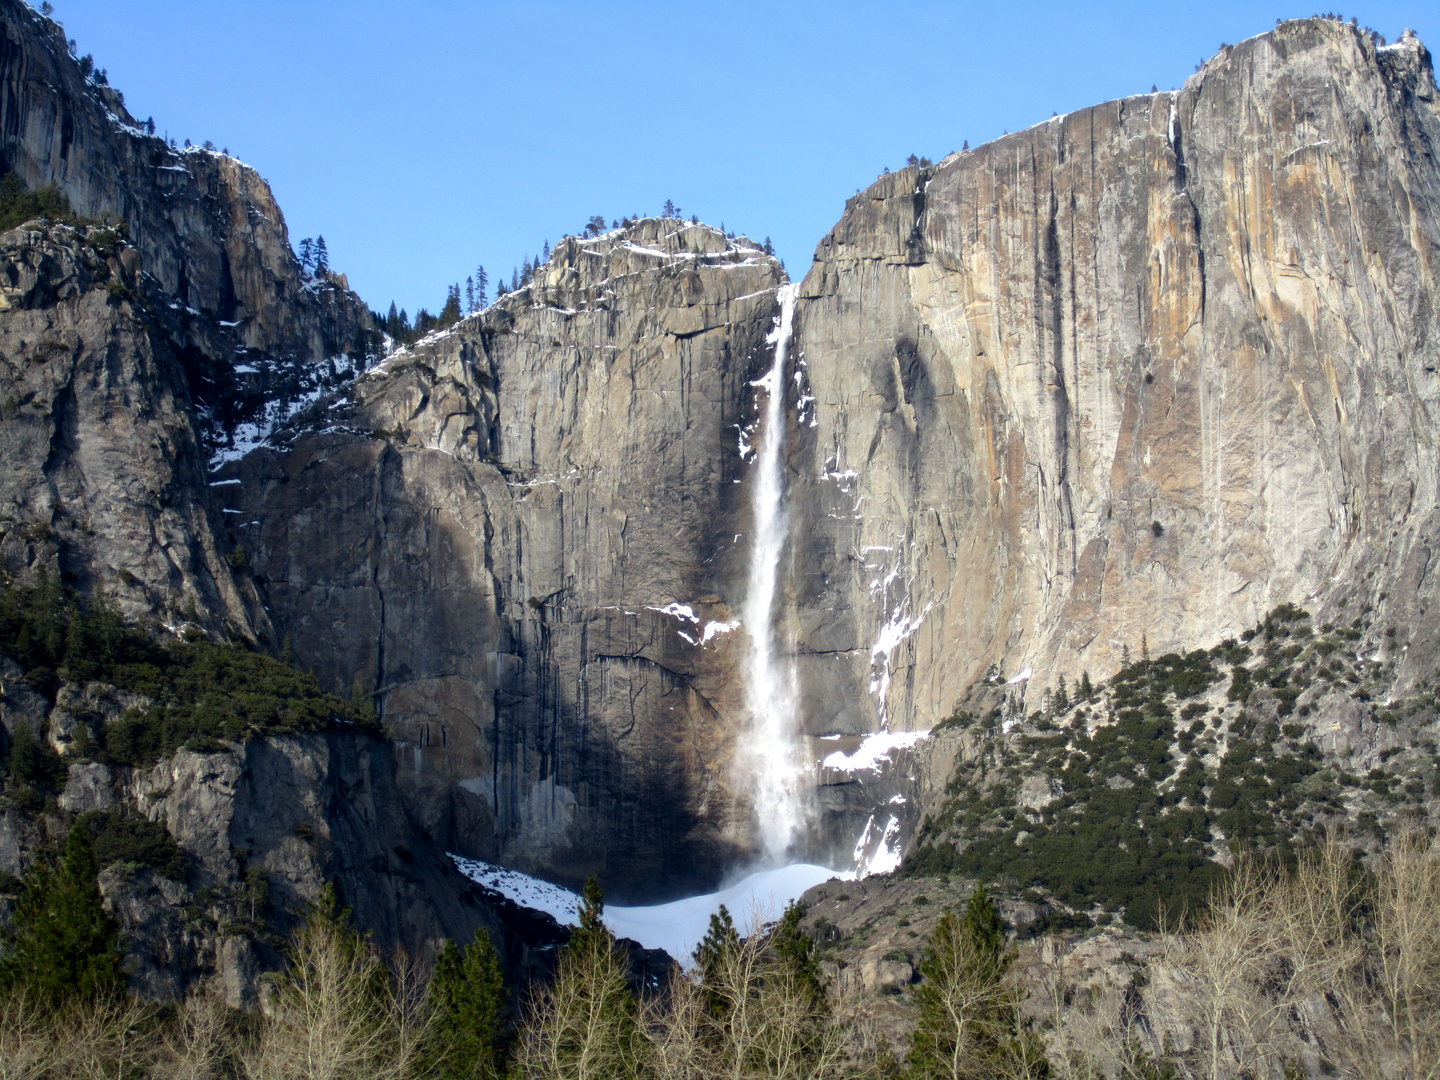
(1325, 961)
(751, 1007)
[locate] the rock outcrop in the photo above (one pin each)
(105, 479)
(206, 226)
(264, 827)
(1142, 371)
(522, 537)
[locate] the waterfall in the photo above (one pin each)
(769, 752)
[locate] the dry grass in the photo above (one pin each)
(97, 1041)
(1326, 970)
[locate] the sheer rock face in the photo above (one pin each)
(1140, 372)
(206, 226)
(105, 481)
(515, 535)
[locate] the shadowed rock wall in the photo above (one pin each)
(514, 535)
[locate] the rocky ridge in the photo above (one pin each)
(206, 226)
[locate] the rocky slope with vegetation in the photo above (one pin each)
(222, 791)
(151, 309)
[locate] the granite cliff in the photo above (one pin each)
(1131, 377)
(521, 536)
(1145, 370)
(139, 350)
(1137, 374)
(1123, 382)
(146, 333)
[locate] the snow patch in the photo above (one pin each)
(873, 752)
(680, 611)
(897, 629)
(715, 629)
(887, 853)
(527, 891)
(676, 927)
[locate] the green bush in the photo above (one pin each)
(33, 761)
(18, 206)
(202, 692)
(118, 838)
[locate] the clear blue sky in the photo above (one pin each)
(422, 138)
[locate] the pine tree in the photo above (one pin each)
(1062, 696)
(307, 254)
(482, 283)
(547, 251)
(363, 699)
(769, 248)
(63, 946)
(470, 307)
(967, 1027)
(467, 998)
(669, 210)
(797, 951)
(1124, 656)
(1087, 691)
(322, 256)
(590, 931)
(1144, 649)
(514, 280)
(721, 941)
(450, 313)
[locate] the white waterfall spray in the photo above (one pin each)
(770, 754)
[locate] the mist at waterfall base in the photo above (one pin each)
(676, 927)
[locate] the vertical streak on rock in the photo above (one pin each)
(769, 757)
